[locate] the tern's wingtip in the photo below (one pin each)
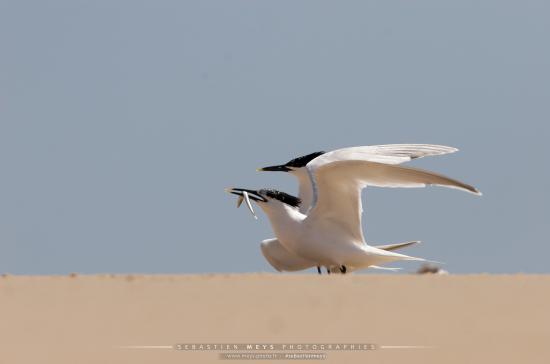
(434, 262)
(474, 191)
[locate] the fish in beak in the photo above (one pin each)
(246, 195)
(249, 205)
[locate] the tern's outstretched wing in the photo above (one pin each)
(337, 194)
(388, 154)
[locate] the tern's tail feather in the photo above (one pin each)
(433, 261)
(423, 260)
(391, 247)
(385, 268)
(377, 256)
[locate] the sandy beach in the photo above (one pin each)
(407, 318)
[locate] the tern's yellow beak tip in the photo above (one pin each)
(259, 169)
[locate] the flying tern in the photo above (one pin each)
(331, 234)
(275, 253)
(304, 167)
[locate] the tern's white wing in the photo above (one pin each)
(282, 259)
(339, 185)
(388, 153)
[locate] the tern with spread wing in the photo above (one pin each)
(302, 167)
(330, 183)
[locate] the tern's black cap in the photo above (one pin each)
(303, 160)
(294, 163)
(281, 196)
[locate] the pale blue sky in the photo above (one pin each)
(122, 121)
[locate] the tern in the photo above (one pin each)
(331, 234)
(282, 259)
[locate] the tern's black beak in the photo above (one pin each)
(281, 168)
(252, 194)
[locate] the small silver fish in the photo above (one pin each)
(249, 205)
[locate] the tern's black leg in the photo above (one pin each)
(343, 269)
(318, 269)
(328, 270)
